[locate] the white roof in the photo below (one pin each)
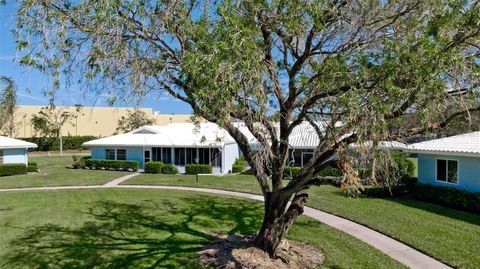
(464, 144)
(172, 135)
(303, 136)
(12, 143)
(395, 145)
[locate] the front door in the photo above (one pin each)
(147, 155)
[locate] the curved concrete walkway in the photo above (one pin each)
(395, 249)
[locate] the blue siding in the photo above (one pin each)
(468, 172)
(18, 155)
(133, 153)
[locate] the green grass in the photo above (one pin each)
(113, 228)
(448, 235)
(53, 172)
(241, 182)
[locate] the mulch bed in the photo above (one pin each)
(235, 251)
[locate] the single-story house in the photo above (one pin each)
(450, 162)
(176, 143)
(207, 143)
(14, 150)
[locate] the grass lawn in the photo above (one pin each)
(121, 228)
(448, 235)
(53, 173)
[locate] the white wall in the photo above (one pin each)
(230, 154)
(15, 156)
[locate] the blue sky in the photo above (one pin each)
(31, 84)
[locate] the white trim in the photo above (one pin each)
(445, 153)
(446, 166)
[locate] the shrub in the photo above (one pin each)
(239, 165)
(447, 196)
(392, 169)
(330, 171)
(237, 168)
(52, 143)
(169, 169)
(79, 162)
(154, 167)
(32, 167)
(193, 169)
(115, 165)
(364, 173)
(291, 171)
(11, 169)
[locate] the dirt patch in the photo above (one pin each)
(234, 251)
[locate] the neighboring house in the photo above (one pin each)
(176, 143)
(14, 150)
(450, 162)
(183, 143)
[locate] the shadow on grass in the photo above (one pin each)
(440, 210)
(143, 235)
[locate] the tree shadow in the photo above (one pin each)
(143, 235)
(439, 210)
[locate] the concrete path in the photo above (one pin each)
(395, 249)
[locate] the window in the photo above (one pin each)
(204, 156)
(447, 170)
(110, 154)
(306, 157)
(121, 154)
(179, 156)
(116, 154)
(216, 157)
(166, 155)
(1, 156)
(146, 155)
(191, 155)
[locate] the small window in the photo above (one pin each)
(447, 170)
(121, 154)
(110, 154)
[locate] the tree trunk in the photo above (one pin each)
(275, 224)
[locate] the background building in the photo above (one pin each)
(97, 121)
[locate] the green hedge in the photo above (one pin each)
(330, 171)
(115, 165)
(32, 167)
(447, 196)
(291, 171)
(52, 143)
(193, 169)
(154, 167)
(11, 169)
(169, 169)
(239, 165)
(364, 173)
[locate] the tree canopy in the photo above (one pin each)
(8, 103)
(134, 120)
(352, 69)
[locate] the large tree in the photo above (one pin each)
(351, 69)
(134, 120)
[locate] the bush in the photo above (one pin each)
(79, 162)
(193, 169)
(32, 167)
(169, 169)
(154, 167)
(330, 171)
(114, 165)
(447, 196)
(239, 165)
(11, 169)
(364, 173)
(52, 143)
(393, 169)
(291, 171)
(237, 168)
